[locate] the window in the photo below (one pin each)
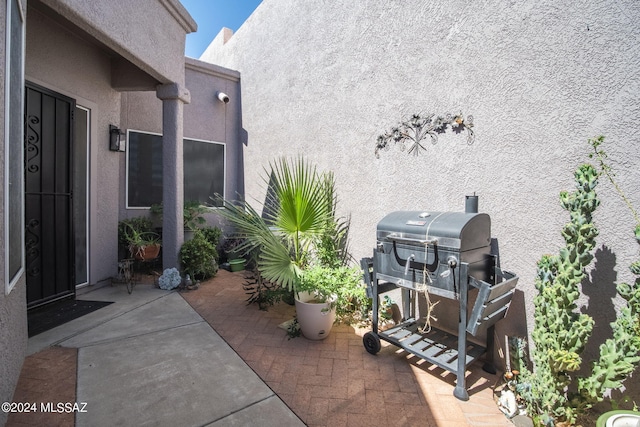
(13, 145)
(204, 170)
(144, 169)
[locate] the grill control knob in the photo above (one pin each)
(452, 261)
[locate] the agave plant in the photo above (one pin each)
(299, 225)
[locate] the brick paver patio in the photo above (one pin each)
(335, 382)
(47, 376)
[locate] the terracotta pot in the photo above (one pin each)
(146, 253)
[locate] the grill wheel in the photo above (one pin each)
(371, 342)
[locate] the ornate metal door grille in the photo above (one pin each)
(48, 195)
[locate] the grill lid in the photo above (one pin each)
(455, 230)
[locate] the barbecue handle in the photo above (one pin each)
(409, 240)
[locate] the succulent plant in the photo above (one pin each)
(170, 279)
(561, 331)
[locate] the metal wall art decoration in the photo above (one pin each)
(410, 135)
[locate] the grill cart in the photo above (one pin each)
(445, 254)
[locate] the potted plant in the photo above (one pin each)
(193, 216)
(323, 293)
(139, 239)
(299, 233)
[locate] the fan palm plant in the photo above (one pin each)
(299, 224)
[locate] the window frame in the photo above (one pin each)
(18, 192)
(184, 141)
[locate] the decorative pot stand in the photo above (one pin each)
(128, 269)
(126, 273)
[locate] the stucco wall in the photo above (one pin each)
(539, 79)
(63, 62)
(13, 336)
(136, 30)
(205, 118)
(13, 307)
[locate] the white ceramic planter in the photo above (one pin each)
(315, 319)
(619, 419)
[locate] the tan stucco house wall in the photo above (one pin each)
(123, 63)
(13, 316)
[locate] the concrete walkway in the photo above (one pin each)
(206, 358)
(150, 359)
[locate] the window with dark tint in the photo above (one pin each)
(144, 172)
(204, 170)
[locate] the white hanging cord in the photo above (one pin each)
(425, 290)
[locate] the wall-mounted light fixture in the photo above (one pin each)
(116, 138)
(223, 97)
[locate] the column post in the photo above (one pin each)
(173, 96)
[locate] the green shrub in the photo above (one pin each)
(212, 235)
(198, 257)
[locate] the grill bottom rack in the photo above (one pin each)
(436, 346)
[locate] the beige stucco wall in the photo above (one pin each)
(144, 32)
(539, 79)
(205, 118)
(13, 307)
(65, 63)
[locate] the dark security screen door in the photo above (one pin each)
(48, 158)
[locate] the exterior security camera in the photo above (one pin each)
(223, 97)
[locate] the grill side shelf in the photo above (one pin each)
(492, 301)
(436, 346)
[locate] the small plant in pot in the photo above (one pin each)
(324, 293)
(137, 236)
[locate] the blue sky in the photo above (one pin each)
(211, 16)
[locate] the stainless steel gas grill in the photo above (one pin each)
(444, 254)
